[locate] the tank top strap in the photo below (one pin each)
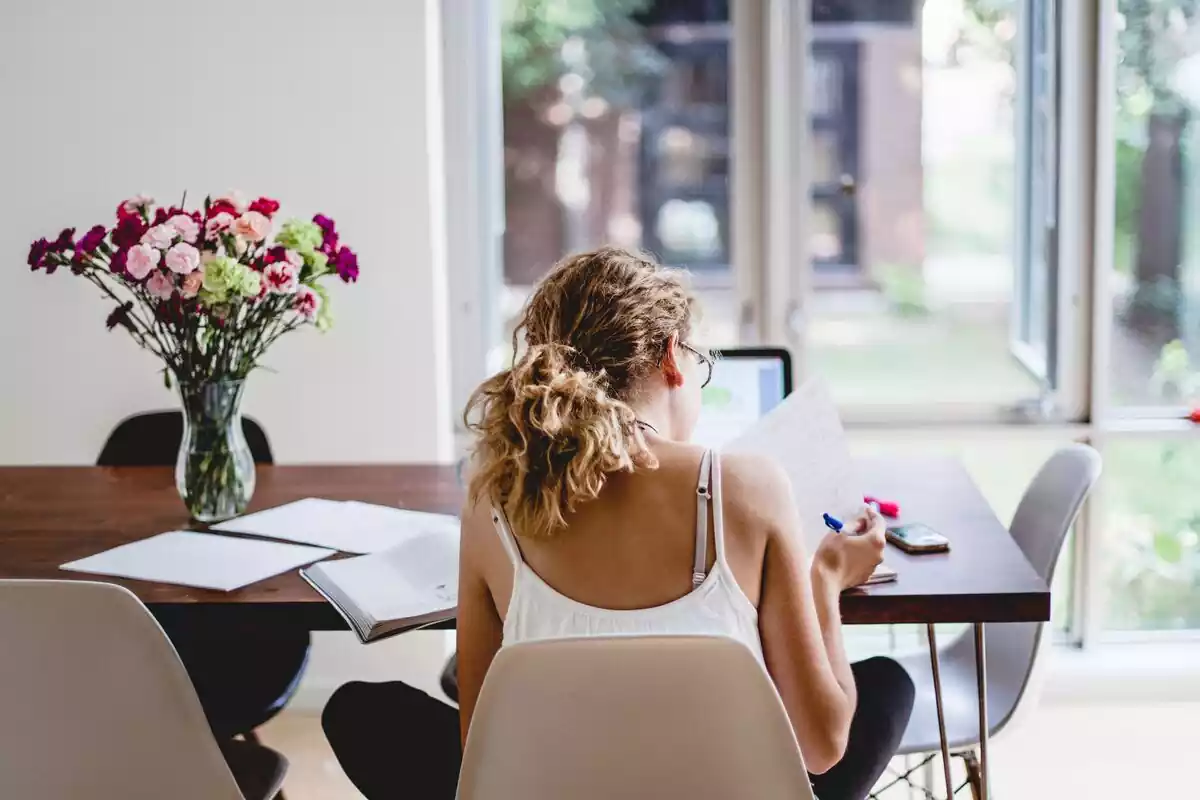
(703, 496)
(500, 521)
(718, 512)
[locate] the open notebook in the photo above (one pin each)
(408, 586)
(804, 435)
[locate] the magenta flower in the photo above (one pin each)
(91, 240)
(117, 262)
(128, 231)
(37, 254)
(65, 241)
(329, 236)
(346, 264)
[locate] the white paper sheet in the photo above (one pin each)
(202, 560)
(350, 527)
(804, 435)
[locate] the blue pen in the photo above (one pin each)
(833, 523)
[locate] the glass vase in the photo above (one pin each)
(215, 470)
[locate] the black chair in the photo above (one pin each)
(450, 678)
(243, 677)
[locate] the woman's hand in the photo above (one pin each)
(847, 559)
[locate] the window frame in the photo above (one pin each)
(769, 219)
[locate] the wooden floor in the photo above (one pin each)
(1062, 751)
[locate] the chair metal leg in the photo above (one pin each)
(981, 677)
(941, 716)
(974, 775)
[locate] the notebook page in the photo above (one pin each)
(417, 577)
(201, 560)
(805, 436)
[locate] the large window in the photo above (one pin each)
(980, 219)
(617, 128)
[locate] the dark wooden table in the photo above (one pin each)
(52, 515)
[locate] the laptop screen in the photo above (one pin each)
(745, 385)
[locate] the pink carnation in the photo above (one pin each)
(281, 278)
(220, 222)
(134, 205)
(141, 259)
(160, 285)
(252, 226)
(308, 303)
(185, 226)
(294, 258)
(234, 198)
(160, 236)
(183, 258)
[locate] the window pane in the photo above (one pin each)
(826, 158)
(1151, 533)
(617, 130)
(826, 241)
(914, 308)
(1156, 265)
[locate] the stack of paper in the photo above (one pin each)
(199, 559)
(351, 527)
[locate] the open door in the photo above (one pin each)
(1034, 340)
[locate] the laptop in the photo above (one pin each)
(747, 382)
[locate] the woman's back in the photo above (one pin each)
(652, 554)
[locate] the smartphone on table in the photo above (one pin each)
(917, 537)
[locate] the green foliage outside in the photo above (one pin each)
(1152, 533)
(543, 40)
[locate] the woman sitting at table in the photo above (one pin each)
(582, 521)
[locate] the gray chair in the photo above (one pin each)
(1044, 516)
(96, 704)
(692, 717)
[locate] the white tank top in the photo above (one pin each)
(716, 606)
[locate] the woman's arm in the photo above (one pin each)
(799, 622)
(480, 630)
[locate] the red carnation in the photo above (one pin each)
(265, 206)
(128, 231)
(219, 206)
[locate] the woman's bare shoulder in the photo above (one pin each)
(755, 488)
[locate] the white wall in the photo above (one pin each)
(332, 108)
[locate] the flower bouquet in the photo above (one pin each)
(208, 292)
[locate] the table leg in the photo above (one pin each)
(981, 678)
(937, 697)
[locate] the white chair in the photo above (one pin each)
(1044, 516)
(95, 703)
(632, 717)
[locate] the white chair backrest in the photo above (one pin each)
(95, 703)
(1040, 526)
(632, 716)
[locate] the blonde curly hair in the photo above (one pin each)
(550, 429)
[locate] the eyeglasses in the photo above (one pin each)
(704, 359)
